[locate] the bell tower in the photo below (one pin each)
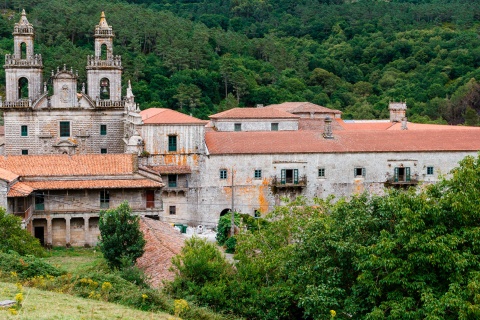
(104, 70)
(23, 68)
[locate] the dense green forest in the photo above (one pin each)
(204, 56)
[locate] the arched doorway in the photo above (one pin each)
(224, 212)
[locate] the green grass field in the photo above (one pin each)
(39, 304)
(74, 259)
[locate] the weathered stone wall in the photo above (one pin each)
(189, 139)
(44, 131)
(255, 124)
(215, 194)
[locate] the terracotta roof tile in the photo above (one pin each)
(65, 165)
(8, 175)
(171, 169)
(168, 116)
(163, 243)
(300, 107)
(344, 141)
(93, 184)
(19, 189)
(254, 113)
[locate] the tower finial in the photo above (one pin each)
(103, 22)
(23, 18)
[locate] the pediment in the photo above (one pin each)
(65, 143)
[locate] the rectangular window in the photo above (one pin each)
(104, 199)
(359, 172)
(321, 172)
(223, 173)
(274, 126)
(64, 128)
(401, 174)
(150, 199)
(172, 180)
(238, 127)
(24, 131)
(172, 210)
(172, 143)
(257, 174)
(103, 129)
(429, 170)
(103, 150)
(39, 201)
(24, 152)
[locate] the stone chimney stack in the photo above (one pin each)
(397, 111)
(327, 129)
(404, 123)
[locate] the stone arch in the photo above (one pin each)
(23, 88)
(224, 212)
(105, 89)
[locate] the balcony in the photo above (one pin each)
(401, 183)
(287, 182)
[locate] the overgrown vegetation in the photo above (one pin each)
(407, 254)
(203, 56)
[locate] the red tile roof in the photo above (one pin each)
(65, 165)
(374, 125)
(344, 141)
(254, 113)
(171, 169)
(168, 116)
(7, 175)
(302, 107)
(19, 189)
(93, 184)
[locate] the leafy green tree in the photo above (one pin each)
(15, 237)
(121, 240)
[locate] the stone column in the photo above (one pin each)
(87, 233)
(67, 232)
(49, 232)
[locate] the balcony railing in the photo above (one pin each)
(289, 182)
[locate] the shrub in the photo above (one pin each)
(121, 241)
(15, 238)
(26, 266)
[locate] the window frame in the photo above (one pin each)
(257, 174)
(321, 172)
(24, 152)
(103, 129)
(223, 174)
(171, 183)
(274, 126)
(430, 170)
(362, 170)
(61, 131)
(237, 127)
(172, 210)
(104, 199)
(172, 144)
(103, 150)
(24, 131)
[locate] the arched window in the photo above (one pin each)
(23, 88)
(23, 50)
(105, 89)
(103, 52)
(224, 212)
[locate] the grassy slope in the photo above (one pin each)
(39, 304)
(74, 259)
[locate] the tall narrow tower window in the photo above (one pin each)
(104, 89)
(103, 52)
(23, 50)
(23, 88)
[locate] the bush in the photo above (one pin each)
(223, 228)
(122, 242)
(15, 238)
(26, 266)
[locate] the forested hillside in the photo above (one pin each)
(202, 56)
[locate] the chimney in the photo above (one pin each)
(327, 129)
(397, 111)
(404, 123)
